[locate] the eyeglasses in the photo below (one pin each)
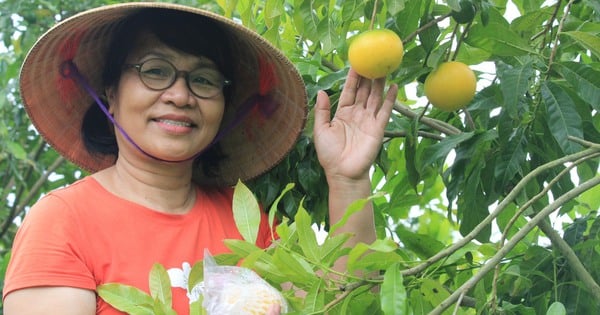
(159, 74)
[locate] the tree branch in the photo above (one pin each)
(574, 262)
(402, 133)
(433, 123)
(528, 204)
(32, 192)
(501, 206)
(492, 262)
(429, 24)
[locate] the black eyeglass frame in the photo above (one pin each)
(178, 73)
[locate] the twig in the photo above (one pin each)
(424, 134)
(429, 24)
(574, 262)
(549, 25)
(461, 39)
(584, 143)
(558, 31)
(458, 303)
(433, 123)
(341, 297)
(492, 262)
(469, 119)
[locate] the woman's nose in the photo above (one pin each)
(179, 93)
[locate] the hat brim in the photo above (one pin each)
(56, 105)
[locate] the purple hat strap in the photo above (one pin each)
(68, 69)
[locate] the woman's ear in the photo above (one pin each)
(110, 97)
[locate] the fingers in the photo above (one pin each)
(358, 91)
(322, 109)
(383, 114)
(348, 95)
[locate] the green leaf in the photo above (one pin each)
(407, 20)
(306, 235)
(497, 38)
(441, 149)
(356, 206)
(242, 248)
(563, 119)
(126, 298)
(160, 285)
(265, 266)
(589, 198)
(315, 298)
(584, 79)
(393, 292)
(423, 245)
(196, 275)
(361, 301)
(515, 83)
(383, 253)
(418, 304)
(246, 212)
(394, 7)
(16, 150)
(328, 35)
(162, 309)
(429, 36)
(295, 268)
(287, 232)
(306, 21)
(410, 152)
(273, 209)
(375, 261)
(586, 40)
(331, 248)
(433, 291)
(509, 162)
(196, 307)
(556, 308)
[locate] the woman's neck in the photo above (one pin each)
(166, 188)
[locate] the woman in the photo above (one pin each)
(190, 103)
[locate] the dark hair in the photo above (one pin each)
(202, 37)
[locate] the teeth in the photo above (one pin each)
(175, 122)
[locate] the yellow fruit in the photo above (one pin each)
(375, 53)
(451, 86)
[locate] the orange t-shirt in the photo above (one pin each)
(83, 236)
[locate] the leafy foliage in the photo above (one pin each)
(469, 205)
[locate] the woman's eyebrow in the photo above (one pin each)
(202, 62)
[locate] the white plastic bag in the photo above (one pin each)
(237, 290)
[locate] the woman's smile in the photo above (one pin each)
(175, 124)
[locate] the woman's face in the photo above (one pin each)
(171, 124)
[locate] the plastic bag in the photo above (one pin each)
(237, 290)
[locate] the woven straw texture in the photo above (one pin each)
(56, 104)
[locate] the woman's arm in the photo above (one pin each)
(348, 144)
(50, 300)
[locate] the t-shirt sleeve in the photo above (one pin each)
(48, 249)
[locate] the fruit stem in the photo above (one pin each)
(469, 119)
(373, 15)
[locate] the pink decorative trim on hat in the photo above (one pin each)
(67, 51)
(264, 104)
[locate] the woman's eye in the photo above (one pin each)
(202, 80)
(156, 72)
